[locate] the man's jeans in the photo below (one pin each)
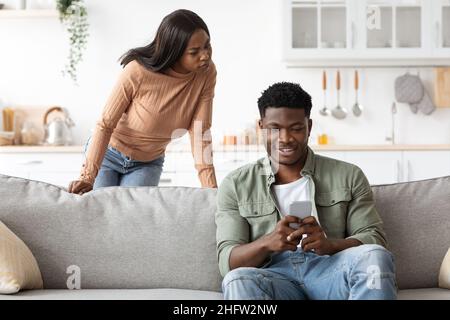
(364, 272)
(119, 170)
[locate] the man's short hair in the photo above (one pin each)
(284, 94)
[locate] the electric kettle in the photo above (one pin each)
(57, 131)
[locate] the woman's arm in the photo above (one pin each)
(118, 102)
(200, 133)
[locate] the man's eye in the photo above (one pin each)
(297, 129)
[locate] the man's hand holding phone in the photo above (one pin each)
(315, 239)
(277, 240)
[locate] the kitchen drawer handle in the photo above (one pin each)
(26, 163)
(165, 180)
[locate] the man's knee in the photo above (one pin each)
(239, 274)
(375, 256)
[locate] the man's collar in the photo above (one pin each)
(308, 168)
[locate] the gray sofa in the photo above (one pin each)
(159, 243)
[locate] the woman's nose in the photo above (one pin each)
(205, 55)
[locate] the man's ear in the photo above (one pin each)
(310, 124)
(260, 123)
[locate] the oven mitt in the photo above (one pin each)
(414, 107)
(408, 89)
(425, 105)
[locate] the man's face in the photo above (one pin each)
(288, 131)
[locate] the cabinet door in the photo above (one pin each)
(54, 168)
(420, 165)
(61, 179)
(440, 34)
(339, 155)
(318, 29)
(396, 29)
(379, 167)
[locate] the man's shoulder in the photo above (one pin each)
(331, 170)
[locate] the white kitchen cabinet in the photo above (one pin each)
(339, 155)
(55, 168)
(379, 166)
(366, 32)
(316, 30)
(419, 165)
(441, 28)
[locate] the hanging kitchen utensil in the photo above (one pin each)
(357, 108)
(324, 111)
(339, 112)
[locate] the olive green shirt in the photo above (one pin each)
(342, 202)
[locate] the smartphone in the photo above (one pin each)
(300, 209)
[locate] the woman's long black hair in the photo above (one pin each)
(170, 41)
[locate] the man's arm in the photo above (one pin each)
(255, 253)
(364, 225)
(363, 221)
(234, 248)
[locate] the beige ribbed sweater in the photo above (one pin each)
(143, 112)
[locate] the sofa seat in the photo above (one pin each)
(178, 294)
(424, 294)
(114, 294)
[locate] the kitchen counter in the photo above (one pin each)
(238, 148)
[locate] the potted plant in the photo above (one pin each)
(73, 15)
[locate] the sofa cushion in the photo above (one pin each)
(144, 237)
(416, 217)
(18, 267)
(424, 294)
(444, 272)
(115, 294)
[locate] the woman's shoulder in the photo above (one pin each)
(133, 67)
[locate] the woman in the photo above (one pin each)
(165, 86)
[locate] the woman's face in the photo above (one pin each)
(197, 54)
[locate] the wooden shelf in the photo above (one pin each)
(20, 14)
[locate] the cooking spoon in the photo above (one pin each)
(324, 111)
(339, 112)
(357, 108)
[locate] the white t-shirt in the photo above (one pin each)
(294, 191)
(299, 190)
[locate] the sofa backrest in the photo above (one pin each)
(416, 217)
(144, 237)
(150, 237)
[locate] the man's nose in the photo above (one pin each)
(284, 135)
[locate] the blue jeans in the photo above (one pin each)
(119, 170)
(359, 273)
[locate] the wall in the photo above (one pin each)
(247, 42)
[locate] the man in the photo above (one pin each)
(342, 254)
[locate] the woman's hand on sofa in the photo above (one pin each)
(79, 187)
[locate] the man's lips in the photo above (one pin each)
(286, 151)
